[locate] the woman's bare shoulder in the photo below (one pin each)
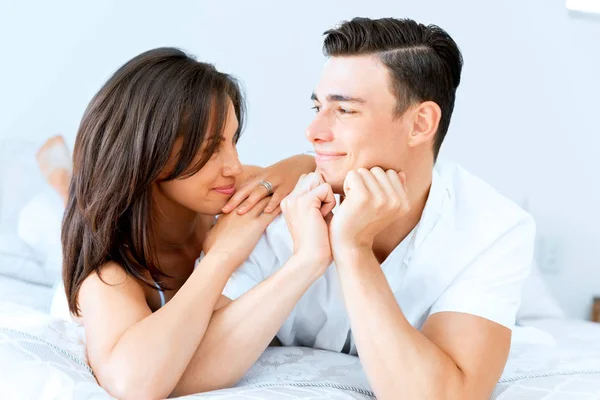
(112, 278)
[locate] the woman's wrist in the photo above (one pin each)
(221, 259)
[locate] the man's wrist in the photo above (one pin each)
(350, 250)
(344, 238)
(313, 265)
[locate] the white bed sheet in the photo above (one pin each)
(43, 355)
(568, 369)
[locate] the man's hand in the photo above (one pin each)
(306, 211)
(373, 200)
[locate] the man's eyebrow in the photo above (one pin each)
(340, 98)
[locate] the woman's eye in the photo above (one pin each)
(218, 147)
(316, 108)
(344, 111)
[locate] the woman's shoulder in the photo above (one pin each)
(111, 291)
(112, 277)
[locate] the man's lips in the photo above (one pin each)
(228, 190)
(328, 156)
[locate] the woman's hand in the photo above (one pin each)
(236, 235)
(282, 176)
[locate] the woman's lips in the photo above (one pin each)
(227, 190)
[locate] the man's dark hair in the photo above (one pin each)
(424, 61)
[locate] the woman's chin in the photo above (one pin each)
(215, 209)
(211, 208)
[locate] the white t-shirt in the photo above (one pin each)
(470, 253)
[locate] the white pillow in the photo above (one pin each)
(30, 216)
(40, 220)
(18, 260)
(537, 301)
(39, 226)
(59, 306)
(25, 294)
(20, 179)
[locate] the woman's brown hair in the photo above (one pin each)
(124, 142)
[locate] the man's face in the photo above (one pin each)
(356, 124)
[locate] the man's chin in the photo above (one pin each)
(335, 180)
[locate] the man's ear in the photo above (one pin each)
(426, 119)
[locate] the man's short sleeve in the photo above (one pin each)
(490, 287)
(259, 266)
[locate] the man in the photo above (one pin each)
(428, 261)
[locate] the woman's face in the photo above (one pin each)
(209, 189)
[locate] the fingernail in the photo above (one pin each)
(241, 210)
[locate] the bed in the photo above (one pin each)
(43, 356)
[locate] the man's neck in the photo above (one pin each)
(418, 182)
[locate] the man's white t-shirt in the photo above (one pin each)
(470, 253)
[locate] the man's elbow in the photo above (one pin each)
(446, 386)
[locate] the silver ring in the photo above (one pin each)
(267, 185)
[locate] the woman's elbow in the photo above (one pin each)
(127, 386)
(187, 387)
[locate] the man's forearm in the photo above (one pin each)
(399, 361)
(239, 332)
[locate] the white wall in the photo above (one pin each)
(526, 117)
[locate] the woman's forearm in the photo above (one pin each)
(239, 332)
(149, 358)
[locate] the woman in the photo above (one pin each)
(154, 162)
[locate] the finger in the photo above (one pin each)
(284, 203)
(396, 182)
(299, 183)
(235, 200)
(328, 218)
(255, 196)
(267, 218)
(402, 176)
(274, 202)
(384, 182)
(399, 188)
(353, 184)
(371, 183)
(324, 194)
(311, 181)
(298, 189)
(259, 207)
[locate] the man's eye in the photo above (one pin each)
(344, 111)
